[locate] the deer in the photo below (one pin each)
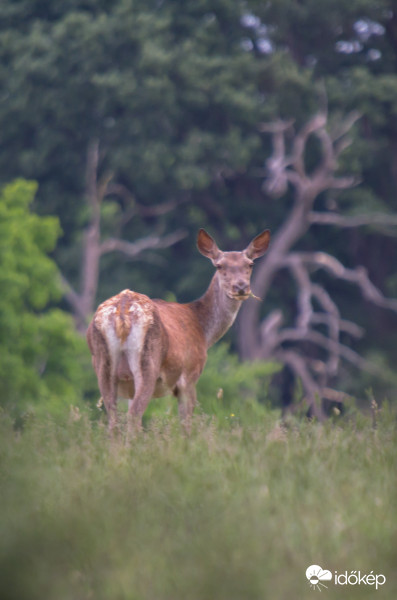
(145, 348)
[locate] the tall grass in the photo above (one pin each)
(226, 514)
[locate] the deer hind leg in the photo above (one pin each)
(144, 356)
(107, 382)
(145, 375)
(144, 389)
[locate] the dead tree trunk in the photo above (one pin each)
(82, 302)
(315, 309)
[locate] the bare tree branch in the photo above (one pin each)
(334, 395)
(133, 207)
(277, 181)
(345, 125)
(358, 276)
(330, 218)
(312, 389)
(269, 332)
(91, 174)
(133, 249)
(74, 300)
(315, 124)
(296, 335)
(345, 326)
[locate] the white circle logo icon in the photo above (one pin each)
(316, 575)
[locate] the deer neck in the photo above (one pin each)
(215, 311)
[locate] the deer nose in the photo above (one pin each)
(241, 288)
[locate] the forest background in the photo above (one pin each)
(127, 125)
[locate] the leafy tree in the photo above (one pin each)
(165, 91)
(42, 358)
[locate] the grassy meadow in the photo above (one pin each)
(236, 512)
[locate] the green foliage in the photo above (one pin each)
(28, 275)
(140, 80)
(41, 355)
(230, 515)
(232, 390)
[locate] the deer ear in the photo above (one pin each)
(207, 246)
(259, 245)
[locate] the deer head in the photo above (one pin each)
(234, 269)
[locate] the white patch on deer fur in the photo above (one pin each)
(133, 346)
(142, 318)
(106, 310)
(113, 344)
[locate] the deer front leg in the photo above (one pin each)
(187, 399)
